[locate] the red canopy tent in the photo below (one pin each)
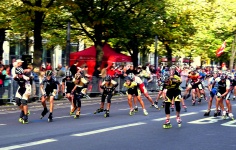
(88, 57)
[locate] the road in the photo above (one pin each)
(119, 131)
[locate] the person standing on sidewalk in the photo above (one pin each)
(50, 91)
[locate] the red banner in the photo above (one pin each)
(220, 50)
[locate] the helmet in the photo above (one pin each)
(223, 76)
(108, 78)
(68, 73)
(19, 70)
(166, 77)
(128, 78)
(48, 73)
(131, 75)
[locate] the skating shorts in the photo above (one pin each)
(174, 94)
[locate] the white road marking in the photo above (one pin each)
(108, 129)
(71, 116)
(129, 108)
(28, 144)
(2, 124)
(181, 115)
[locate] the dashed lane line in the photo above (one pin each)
(28, 144)
(2, 124)
(181, 115)
(109, 129)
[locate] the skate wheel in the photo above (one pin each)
(179, 125)
(24, 122)
(20, 120)
(105, 115)
(28, 112)
(49, 120)
(95, 112)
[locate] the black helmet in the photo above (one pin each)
(48, 73)
(131, 75)
(108, 78)
(19, 70)
(68, 73)
(128, 78)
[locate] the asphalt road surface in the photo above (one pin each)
(117, 132)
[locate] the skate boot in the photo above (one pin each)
(155, 105)
(77, 114)
(185, 108)
(72, 113)
(99, 110)
(25, 119)
(179, 121)
(107, 113)
(207, 113)
(136, 109)
(163, 104)
(199, 101)
(219, 113)
(21, 116)
(145, 112)
(172, 107)
(231, 116)
(44, 112)
(227, 113)
(224, 115)
(131, 112)
(50, 117)
(167, 124)
(193, 102)
(215, 114)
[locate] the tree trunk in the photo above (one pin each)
(38, 46)
(2, 39)
(169, 53)
(135, 56)
(233, 51)
(98, 44)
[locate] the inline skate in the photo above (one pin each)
(107, 113)
(44, 112)
(167, 124)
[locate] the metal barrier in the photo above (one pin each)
(7, 93)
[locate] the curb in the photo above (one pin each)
(61, 102)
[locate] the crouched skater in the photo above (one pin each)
(108, 87)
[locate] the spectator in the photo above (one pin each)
(111, 72)
(104, 71)
(12, 61)
(2, 76)
(97, 72)
(7, 72)
(60, 73)
(84, 71)
(130, 70)
(73, 68)
(48, 66)
(43, 67)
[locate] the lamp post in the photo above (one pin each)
(156, 53)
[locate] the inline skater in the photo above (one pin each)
(143, 90)
(222, 93)
(49, 90)
(67, 86)
(174, 72)
(108, 87)
(194, 77)
(22, 94)
(133, 92)
(79, 91)
(172, 84)
(213, 92)
(228, 97)
(234, 86)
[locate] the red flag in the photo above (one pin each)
(220, 50)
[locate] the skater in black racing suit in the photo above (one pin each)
(50, 85)
(108, 87)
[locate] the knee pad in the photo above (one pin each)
(177, 106)
(24, 102)
(167, 107)
(18, 101)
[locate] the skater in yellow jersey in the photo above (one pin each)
(172, 83)
(133, 91)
